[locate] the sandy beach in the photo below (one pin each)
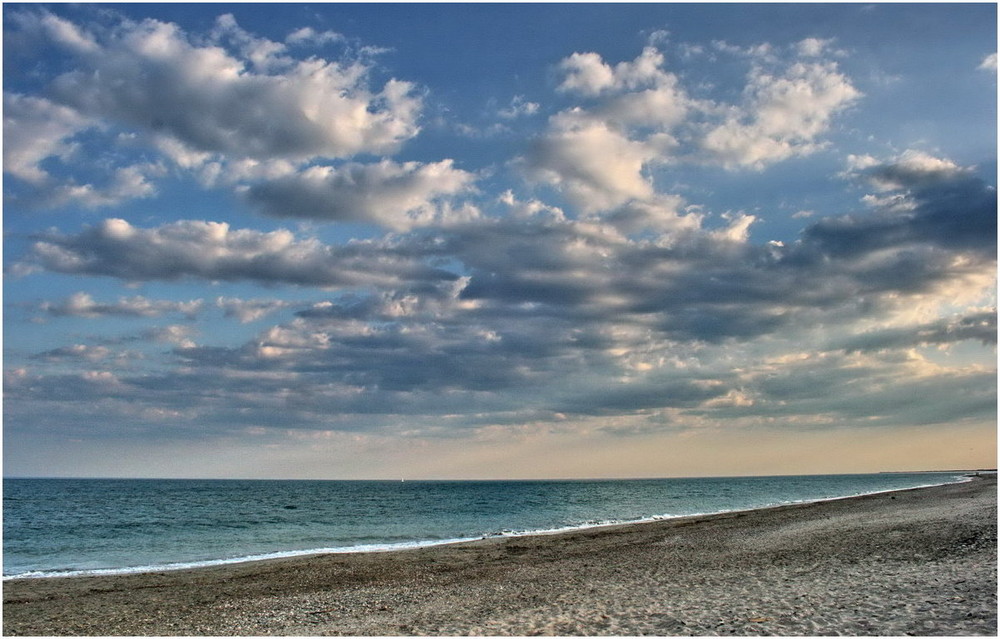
(917, 562)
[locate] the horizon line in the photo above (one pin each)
(491, 479)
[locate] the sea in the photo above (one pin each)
(57, 527)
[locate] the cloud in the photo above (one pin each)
(246, 311)
(176, 334)
(782, 117)
(715, 285)
(659, 213)
(662, 107)
(595, 165)
(184, 97)
(586, 277)
(38, 132)
(544, 297)
(83, 305)
(936, 205)
(397, 196)
(264, 55)
(35, 129)
(214, 251)
(309, 36)
(91, 354)
(989, 63)
(559, 318)
(910, 169)
(620, 301)
(151, 77)
(598, 156)
(95, 360)
(813, 47)
(519, 107)
(980, 326)
(638, 116)
(643, 398)
(126, 183)
(587, 74)
(829, 389)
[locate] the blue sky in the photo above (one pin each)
(515, 240)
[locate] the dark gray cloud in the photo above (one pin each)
(547, 300)
(397, 196)
(246, 311)
(75, 352)
(547, 297)
(957, 213)
(705, 287)
(213, 251)
(641, 397)
(981, 327)
(922, 201)
(83, 305)
(890, 389)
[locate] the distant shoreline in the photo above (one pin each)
(918, 472)
(916, 561)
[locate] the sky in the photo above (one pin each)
(498, 241)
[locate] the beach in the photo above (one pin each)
(913, 562)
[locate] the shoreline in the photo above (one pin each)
(419, 544)
(918, 561)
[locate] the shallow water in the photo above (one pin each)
(69, 526)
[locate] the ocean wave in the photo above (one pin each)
(387, 546)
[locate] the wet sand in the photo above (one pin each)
(918, 562)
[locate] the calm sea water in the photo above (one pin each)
(73, 526)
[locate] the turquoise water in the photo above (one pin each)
(72, 526)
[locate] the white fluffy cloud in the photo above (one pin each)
(783, 116)
(661, 108)
(594, 164)
(309, 36)
(186, 97)
(812, 47)
(150, 76)
(35, 129)
(587, 73)
(640, 115)
(519, 107)
(597, 157)
(124, 184)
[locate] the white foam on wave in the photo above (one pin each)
(283, 554)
